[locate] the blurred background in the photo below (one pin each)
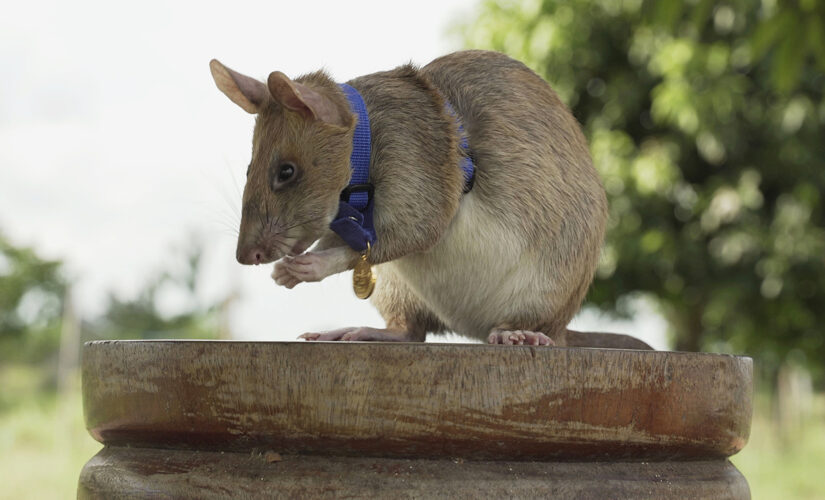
(121, 167)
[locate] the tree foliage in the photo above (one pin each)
(705, 120)
(147, 315)
(31, 303)
(33, 292)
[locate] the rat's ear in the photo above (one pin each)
(246, 92)
(307, 102)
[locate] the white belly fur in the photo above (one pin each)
(478, 274)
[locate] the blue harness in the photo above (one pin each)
(354, 221)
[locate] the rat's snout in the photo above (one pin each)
(250, 255)
(269, 233)
(250, 249)
(261, 240)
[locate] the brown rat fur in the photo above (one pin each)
(510, 261)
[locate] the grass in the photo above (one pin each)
(785, 466)
(43, 446)
(43, 442)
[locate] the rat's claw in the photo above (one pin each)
(518, 337)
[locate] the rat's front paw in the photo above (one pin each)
(283, 276)
(310, 266)
(307, 267)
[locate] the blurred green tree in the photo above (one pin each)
(148, 315)
(705, 120)
(34, 294)
(33, 290)
(31, 304)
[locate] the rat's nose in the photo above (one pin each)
(249, 256)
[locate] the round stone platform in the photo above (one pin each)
(196, 418)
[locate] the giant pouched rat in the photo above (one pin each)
(506, 256)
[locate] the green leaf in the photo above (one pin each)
(816, 40)
(788, 62)
(667, 12)
(771, 30)
(701, 13)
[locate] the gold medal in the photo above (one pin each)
(363, 280)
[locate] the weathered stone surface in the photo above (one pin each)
(131, 473)
(417, 400)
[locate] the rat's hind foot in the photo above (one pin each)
(359, 333)
(518, 337)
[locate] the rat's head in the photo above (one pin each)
(300, 160)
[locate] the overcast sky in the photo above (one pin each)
(116, 147)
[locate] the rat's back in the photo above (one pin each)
(535, 182)
(530, 153)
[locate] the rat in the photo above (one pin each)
(504, 253)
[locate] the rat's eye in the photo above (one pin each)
(282, 174)
(285, 172)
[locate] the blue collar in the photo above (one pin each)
(354, 221)
(467, 164)
(361, 148)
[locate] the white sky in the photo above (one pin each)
(115, 145)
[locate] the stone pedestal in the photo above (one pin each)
(210, 419)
